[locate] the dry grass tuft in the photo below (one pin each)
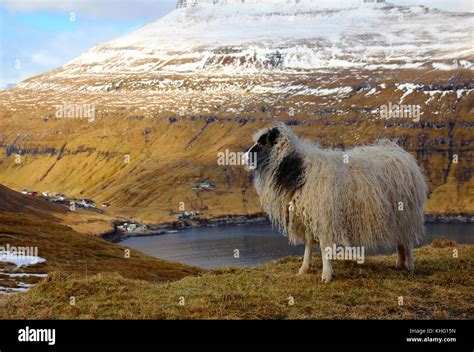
(442, 243)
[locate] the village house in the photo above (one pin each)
(85, 203)
(184, 214)
(203, 185)
(132, 227)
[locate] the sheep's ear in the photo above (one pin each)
(273, 136)
(263, 139)
(269, 137)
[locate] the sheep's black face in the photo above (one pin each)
(259, 154)
(289, 172)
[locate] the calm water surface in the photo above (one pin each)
(213, 247)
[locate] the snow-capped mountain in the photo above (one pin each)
(208, 52)
(244, 36)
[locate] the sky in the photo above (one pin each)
(39, 35)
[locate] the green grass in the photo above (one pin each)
(440, 288)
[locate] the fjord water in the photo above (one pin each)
(215, 247)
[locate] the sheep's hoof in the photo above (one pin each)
(326, 277)
(302, 271)
(400, 265)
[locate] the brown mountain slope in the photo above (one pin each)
(169, 150)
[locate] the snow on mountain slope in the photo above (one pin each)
(235, 37)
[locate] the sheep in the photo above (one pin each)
(366, 196)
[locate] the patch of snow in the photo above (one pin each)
(4, 290)
(460, 92)
(371, 92)
(409, 88)
(23, 274)
(453, 66)
(328, 91)
(21, 262)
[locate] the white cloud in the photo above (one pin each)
(129, 10)
(44, 59)
(51, 51)
(153, 9)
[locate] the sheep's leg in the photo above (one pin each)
(410, 262)
(308, 248)
(327, 267)
(401, 256)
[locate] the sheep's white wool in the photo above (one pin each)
(377, 197)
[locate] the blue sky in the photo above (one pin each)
(39, 35)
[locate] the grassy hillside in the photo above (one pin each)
(70, 252)
(14, 202)
(33, 222)
(440, 288)
(82, 221)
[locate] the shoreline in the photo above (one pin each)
(117, 236)
(462, 218)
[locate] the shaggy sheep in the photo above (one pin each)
(367, 196)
